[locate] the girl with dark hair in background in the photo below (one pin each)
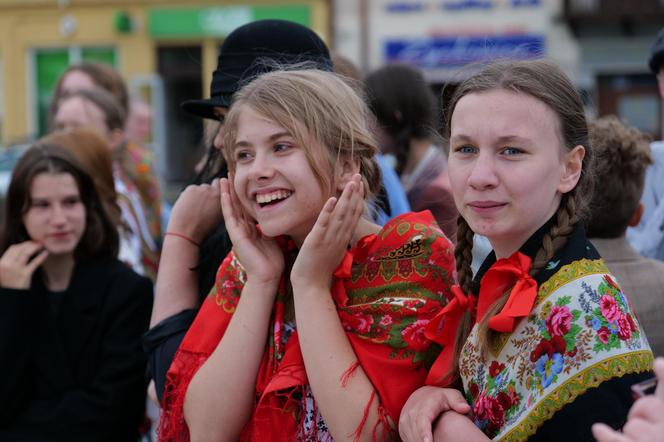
(71, 315)
(406, 112)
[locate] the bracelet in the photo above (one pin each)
(185, 237)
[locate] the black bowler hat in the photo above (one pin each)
(657, 52)
(254, 49)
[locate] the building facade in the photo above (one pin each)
(166, 51)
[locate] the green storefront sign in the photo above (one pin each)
(218, 21)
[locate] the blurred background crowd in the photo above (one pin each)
(166, 52)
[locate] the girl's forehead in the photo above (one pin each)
(48, 182)
(506, 110)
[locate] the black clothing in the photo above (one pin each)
(78, 375)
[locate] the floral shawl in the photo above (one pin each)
(386, 289)
(582, 333)
(136, 163)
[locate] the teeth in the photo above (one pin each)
(269, 197)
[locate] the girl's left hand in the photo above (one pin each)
(424, 406)
(324, 247)
(645, 421)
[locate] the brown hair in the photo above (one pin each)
(101, 235)
(545, 82)
(404, 106)
(312, 104)
(94, 155)
(103, 76)
(114, 115)
(623, 154)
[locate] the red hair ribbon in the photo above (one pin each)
(513, 273)
(443, 328)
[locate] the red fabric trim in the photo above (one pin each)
(345, 377)
(443, 329)
(365, 416)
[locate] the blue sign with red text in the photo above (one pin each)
(442, 52)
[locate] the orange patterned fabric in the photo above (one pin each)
(387, 289)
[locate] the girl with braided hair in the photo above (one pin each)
(542, 342)
(315, 328)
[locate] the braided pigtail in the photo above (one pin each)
(463, 254)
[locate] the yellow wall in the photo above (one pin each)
(31, 24)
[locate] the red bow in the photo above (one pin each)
(443, 328)
(505, 273)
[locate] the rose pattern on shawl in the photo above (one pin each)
(414, 335)
(386, 321)
(612, 319)
(529, 375)
(609, 308)
(558, 340)
(559, 321)
(496, 402)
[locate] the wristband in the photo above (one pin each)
(185, 237)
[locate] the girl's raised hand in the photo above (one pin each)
(423, 407)
(19, 262)
(325, 245)
(260, 256)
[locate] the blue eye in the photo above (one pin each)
(511, 151)
(465, 149)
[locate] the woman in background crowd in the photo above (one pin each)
(406, 112)
(72, 315)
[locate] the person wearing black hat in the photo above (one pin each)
(196, 240)
(648, 237)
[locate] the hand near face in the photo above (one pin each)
(18, 264)
(324, 247)
(423, 407)
(260, 256)
(645, 421)
(197, 211)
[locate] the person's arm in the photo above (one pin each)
(114, 399)
(424, 407)
(453, 427)
(195, 214)
(326, 351)
(161, 343)
(328, 355)
(220, 397)
(19, 320)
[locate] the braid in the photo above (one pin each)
(463, 254)
(555, 238)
